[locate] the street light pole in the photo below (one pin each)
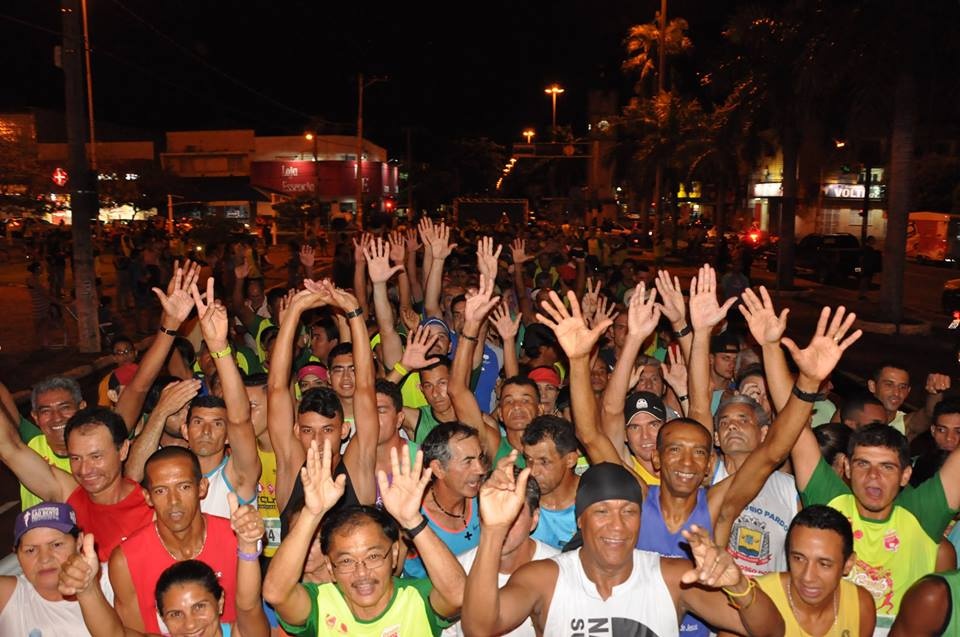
(553, 91)
(360, 87)
(529, 133)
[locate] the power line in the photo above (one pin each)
(31, 25)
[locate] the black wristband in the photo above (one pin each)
(415, 531)
(168, 332)
(683, 398)
(683, 332)
(353, 313)
(805, 397)
(469, 338)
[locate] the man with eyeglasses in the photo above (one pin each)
(123, 354)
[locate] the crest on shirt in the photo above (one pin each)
(891, 541)
(750, 541)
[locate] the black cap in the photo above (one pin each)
(644, 401)
(725, 343)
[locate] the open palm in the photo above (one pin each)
(320, 490)
(501, 503)
(826, 347)
(402, 495)
(705, 310)
(765, 326)
(573, 335)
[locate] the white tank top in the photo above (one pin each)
(641, 606)
(30, 615)
(218, 486)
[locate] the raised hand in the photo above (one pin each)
(519, 251)
(361, 245)
(402, 495)
(320, 491)
(427, 231)
(307, 257)
(214, 323)
(377, 254)
(190, 271)
(675, 373)
(410, 319)
(487, 258)
(705, 311)
(588, 305)
(418, 345)
(713, 566)
(479, 305)
(767, 328)
(573, 335)
(635, 375)
(828, 344)
(177, 394)
(412, 243)
(440, 246)
(338, 297)
(285, 303)
(245, 521)
(937, 383)
(505, 326)
(242, 271)
(606, 311)
(313, 294)
(80, 570)
(671, 297)
(177, 302)
(643, 314)
(397, 246)
(502, 497)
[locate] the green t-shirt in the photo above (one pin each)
(894, 553)
(408, 614)
(504, 450)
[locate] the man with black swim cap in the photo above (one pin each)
(606, 581)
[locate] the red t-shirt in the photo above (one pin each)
(147, 558)
(111, 523)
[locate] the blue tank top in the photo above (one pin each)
(656, 537)
(457, 541)
(556, 527)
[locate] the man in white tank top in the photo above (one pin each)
(606, 586)
(44, 536)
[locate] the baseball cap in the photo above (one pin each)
(545, 375)
(646, 402)
(53, 515)
(435, 320)
(725, 343)
(312, 370)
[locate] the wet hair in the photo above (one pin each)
(93, 416)
(554, 428)
(187, 571)
(819, 516)
(460, 298)
(54, 383)
(351, 517)
(686, 421)
(946, 406)
(878, 370)
(523, 381)
(205, 402)
(167, 453)
(340, 349)
(320, 400)
(759, 413)
(748, 371)
(255, 380)
(436, 446)
(834, 439)
(392, 391)
(442, 361)
(880, 435)
(856, 403)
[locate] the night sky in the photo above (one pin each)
(454, 69)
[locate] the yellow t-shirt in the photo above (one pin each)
(267, 500)
(848, 610)
(648, 478)
(39, 444)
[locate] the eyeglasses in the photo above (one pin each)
(122, 352)
(349, 565)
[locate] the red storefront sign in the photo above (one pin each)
(331, 178)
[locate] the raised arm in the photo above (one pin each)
(243, 467)
(518, 251)
(360, 271)
(815, 363)
(172, 399)
(78, 577)
(402, 496)
(241, 310)
(249, 529)
(675, 309)
(33, 472)
(642, 318)
(177, 304)
(705, 314)
(427, 231)
(377, 254)
(767, 329)
(488, 609)
(487, 265)
(281, 586)
(578, 341)
(464, 401)
(507, 328)
(412, 246)
(440, 248)
(360, 455)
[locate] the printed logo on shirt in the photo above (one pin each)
(335, 624)
(393, 631)
(891, 541)
(877, 581)
(619, 626)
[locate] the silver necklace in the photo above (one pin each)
(186, 557)
(836, 607)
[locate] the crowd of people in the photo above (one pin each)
(459, 431)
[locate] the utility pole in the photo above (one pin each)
(84, 203)
(866, 206)
(410, 213)
(89, 77)
(361, 85)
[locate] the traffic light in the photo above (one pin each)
(389, 205)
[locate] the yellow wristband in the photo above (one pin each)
(750, 584)
(400, 369)
(224, 352)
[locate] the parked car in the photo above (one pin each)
(828, 257)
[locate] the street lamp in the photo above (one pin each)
(553, 91)
(529, 133)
